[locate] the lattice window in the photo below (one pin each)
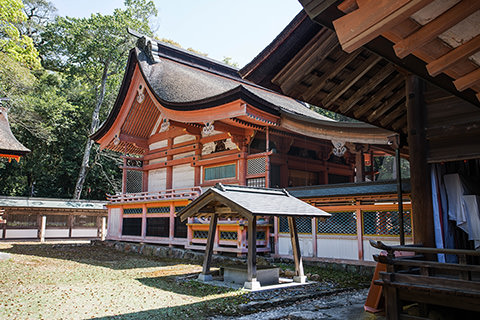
(158, 210)
(256, 182)
(386, 223)
(132, 211)
(57, 221)
(304, 225)
(134, 181)
(255, 166)
(339, 223)
(261, 235)
(200, 234)
(22, 221)
(84, 221)
(181, 228)
(132, 227)
(228, 235)
(220, 172)
(158, 227)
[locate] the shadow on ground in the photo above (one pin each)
(88, 254)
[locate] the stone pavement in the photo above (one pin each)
(340, 305)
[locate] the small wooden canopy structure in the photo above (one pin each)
(227, 201)
(10, 147)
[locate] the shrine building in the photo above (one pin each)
(183, 122)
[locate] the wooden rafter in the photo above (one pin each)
(437, 26)
(393, 115)
(468, 80)
(379, 95)
(387, 105)
(313, 53)
(367, 87)
(360, 71)
(373, 18)
(339, 65)
(452, 57)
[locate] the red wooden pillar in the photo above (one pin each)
(145, 178)
(267, 159)
(144, 221)
(358, 214)
(169, 177)
(198, 155)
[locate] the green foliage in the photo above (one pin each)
(331, 114)
(228, 60)
(19, 47)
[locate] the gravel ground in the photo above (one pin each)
(81, 281)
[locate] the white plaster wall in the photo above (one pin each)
(91, 233)
(185, 137)
(337, 248)
(114, 223)
(21, 233)
(285, 245)
(1, 233)
(157, 180)
(183, 155)
(183, 176)
(369, 251)
(158, 144)
(56, 233)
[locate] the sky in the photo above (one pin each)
(238, 29)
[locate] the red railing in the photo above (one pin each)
(185, 193)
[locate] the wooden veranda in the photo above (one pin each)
(236, 202)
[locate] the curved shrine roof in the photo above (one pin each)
(10, 147)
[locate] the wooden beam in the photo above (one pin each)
(454, 56)
(360, 71)
(338, 66)
(372, 19)
(137, 141)
(205, 275)
(378, 96)
(348, 6)
(367, 87)
(297, 255)
(437, 26)
(467, 80)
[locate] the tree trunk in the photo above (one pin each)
(88, 147)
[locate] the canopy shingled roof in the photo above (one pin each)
(245, 202)
(10, 147)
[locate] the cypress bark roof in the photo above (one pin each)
(9, 145)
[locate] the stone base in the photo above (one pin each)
(239, 274)
(252, 285)
(300, 279)
(205, 277)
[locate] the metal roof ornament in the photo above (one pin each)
(339, 148)
(140, 94)
(165, 125)
(208, 129)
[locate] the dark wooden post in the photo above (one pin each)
(70, 225)
(205, 275)
(297, 255)
(5, 217)
(252, 282)
(422, 207)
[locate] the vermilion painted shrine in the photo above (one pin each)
(184, 122)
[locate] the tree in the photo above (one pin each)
(94, 50)
(18, 47)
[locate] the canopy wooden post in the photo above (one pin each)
(205, 275)
(252, 282)
(297, 255)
